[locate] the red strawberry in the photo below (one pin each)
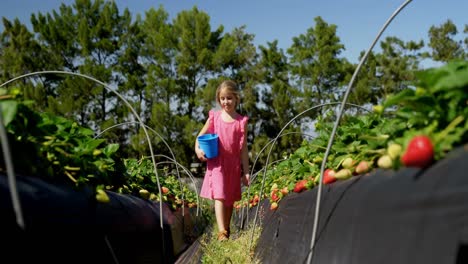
(329, 176)
(256, 198)
(300, 186)
(419, 152)
(164, 190)
(274, 196)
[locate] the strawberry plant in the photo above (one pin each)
(142, 177)
(56, 149)
(389, 136)
(60, 151)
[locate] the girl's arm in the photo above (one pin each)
(198, 151)
(245, 160)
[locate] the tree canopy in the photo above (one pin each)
(169, 70)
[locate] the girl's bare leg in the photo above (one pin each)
(220, 213)
(227, 217)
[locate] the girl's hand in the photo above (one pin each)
(246, 179)
(200, 154)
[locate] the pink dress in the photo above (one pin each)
(223, 173)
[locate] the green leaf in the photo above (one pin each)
(397, 98)
(456, 77)
(110, 149)
(91, 145)
(8, 109)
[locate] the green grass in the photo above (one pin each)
(238, 249)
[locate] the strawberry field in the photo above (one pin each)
(414, 128)
(392, 148)
(103, 171)
(407, 154)
(404, 216)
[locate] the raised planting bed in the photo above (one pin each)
(64, 225)
(386, 216)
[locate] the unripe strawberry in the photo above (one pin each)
(347, 163)
(385, 162)
(144, 194)
(317, 179)
(101, 196)
(378, 109)
(394, 151)
(274, 187)
(343, 174)
(273, 206)
(317, 159)
(285, 190)
(420, 91)
(362, 167)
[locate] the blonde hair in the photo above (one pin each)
(231, 87)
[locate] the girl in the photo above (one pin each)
(222, 182)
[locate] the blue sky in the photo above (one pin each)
(358, 21)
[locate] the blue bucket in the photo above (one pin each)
(209, 144)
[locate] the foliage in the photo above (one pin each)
(174, 191)
(60, 151)
(168, 71)
(444, 47)
(436, 108)
(316, 65)
(55, 148)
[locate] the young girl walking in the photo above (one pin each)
(224, 173)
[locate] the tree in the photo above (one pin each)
(466, 41)
(277, 104)
(315, 64)
(195, 47)
(159, 78)
(444, 46)
(21, 54)
(85, 39)
(366, 84)
(396, 65)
